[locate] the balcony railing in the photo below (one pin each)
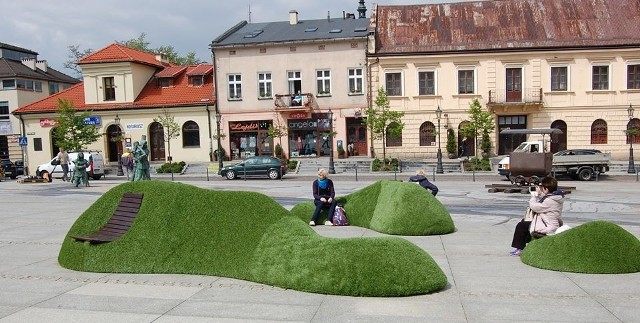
(294, 101)
(502, 96)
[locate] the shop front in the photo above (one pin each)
(309, 137)
(250, 138)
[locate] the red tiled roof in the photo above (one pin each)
(179, 94)
(202, 69)
(505, 25)
(171, 71)
(119, 53)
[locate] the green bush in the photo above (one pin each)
(292, 164)
(451, 142)
(479, 164)
(188, 230)
(168, 167)
(597, 247)
(388, 165)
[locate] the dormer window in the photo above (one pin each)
(109, 87)
(197, 80)
(164, 82)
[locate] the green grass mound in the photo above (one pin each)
(597, 247)
(245, 235)
(390, 207)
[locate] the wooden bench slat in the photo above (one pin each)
(120, 221)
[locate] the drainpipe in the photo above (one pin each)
(210, 133)
(24, 149)
(217, 106)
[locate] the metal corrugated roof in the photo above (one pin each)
(282, 31)
(506, 25)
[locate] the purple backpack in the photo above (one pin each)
(340, 216)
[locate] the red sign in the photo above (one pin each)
(298, 115)
(48, 123)
(243, 126)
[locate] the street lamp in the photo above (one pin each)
(118, 143)
(632, 168)
(332, 169)
(218, 117)
(439, 169)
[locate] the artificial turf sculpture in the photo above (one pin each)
(597, 247)
(184, 229)
(391, 207)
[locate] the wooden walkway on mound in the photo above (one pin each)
(119, 223)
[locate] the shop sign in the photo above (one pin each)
(134, 126)
(243, 126)
(5, 128)
(298, 115)
(44, 122)
(303, 124)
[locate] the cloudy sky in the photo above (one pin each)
(49, 27)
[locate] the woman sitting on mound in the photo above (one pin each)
(323, 196)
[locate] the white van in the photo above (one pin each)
(95, 169)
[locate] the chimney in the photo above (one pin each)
(42, 65)
(29, 62)
(362, 10)
(162, 58)
(293, 17)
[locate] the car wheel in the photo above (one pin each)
(96, 177)
(273, 174)
(230, 174)
(585, 174)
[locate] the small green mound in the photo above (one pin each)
(390, 207)
(188, 230)
(597, 247)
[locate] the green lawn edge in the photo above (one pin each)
(183, 229)
(596, 247)
(390, 207)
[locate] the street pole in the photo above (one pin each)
(118, 143)
(632, 167)
(332, 169)
(439, 169)
(218, 139)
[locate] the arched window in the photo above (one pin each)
(393, 141)
(633, 124)
(559, 142)
(190, 134)
(427, 134)
(599, 132)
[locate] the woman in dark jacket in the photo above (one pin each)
(424, 182)
(323, 196)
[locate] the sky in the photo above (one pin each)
(50, 27)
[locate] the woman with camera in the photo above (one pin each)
(546, 203)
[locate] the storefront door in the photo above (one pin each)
(357, 137)
(157, 142)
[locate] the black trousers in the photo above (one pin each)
(521, 235)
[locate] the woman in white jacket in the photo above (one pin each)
(547, 204)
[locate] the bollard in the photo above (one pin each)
(207, 173)
(395, 172)
(433, 174)
(356, 167)
(244, 171)
(473, 169)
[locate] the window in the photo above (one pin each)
(4, 110)
(37, 144)
(37, 85)
(190, 134)
(21, 84)
(599, 132)
(633, 77)
(8, 84)
(393, 135)
(393, 83)
(29, 84)
(109, 89)
(633, 124)
(559, 78)
(600, 78)
(265, 89)
(197, 80)
(356, 80)
(466, 82)
(427, 134)
(54, 88)
(235, 86)
(427, 83)
(323, 78)
(295, 82)
(164, 82)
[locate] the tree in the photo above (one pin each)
(71, 131)
(451, 143)
(75, 54)
(382, 121)
(480, 124)
(277, 132)
(170, 126)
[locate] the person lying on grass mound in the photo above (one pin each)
(546, 203)
(421, 179)
(324, 196)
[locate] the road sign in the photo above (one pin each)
(22, 141)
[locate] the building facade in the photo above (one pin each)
(305, 76)
(572, 65)
(127, 91)
(23, 79)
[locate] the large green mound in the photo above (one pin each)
(390, 207)
(245, 235)
(597, 247)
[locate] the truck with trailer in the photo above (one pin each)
(531, 160)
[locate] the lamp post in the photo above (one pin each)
(218, 117)
(632, 167)
(439, 169)
(332, 169)
(118, 143)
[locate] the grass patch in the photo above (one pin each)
(597, 247)
(246, 235)
(390, 207)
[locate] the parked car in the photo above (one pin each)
(19, 167)
(95, 169)
(9, 168)
(257, 166)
